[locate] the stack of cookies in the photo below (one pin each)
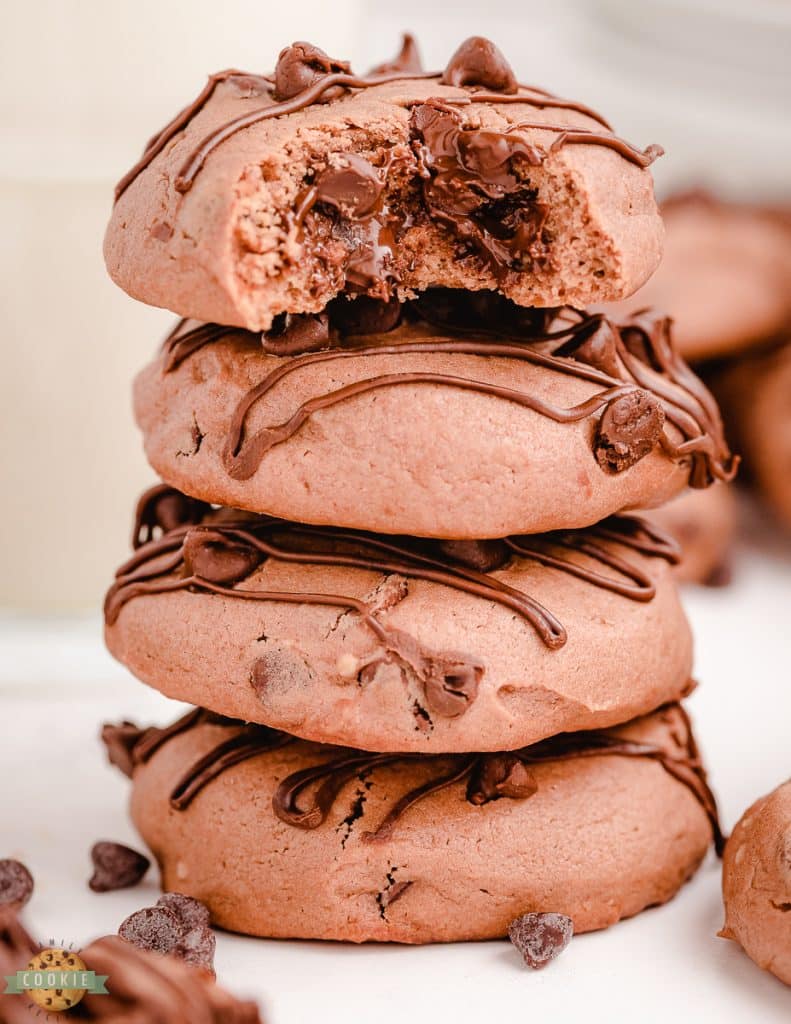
(435, 671)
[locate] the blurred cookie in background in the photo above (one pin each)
(755, 398)
(725, 277)
(703, 523)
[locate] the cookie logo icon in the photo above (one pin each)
(55, 980)
(48, 966)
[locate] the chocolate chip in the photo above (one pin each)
(407, 59)
(120, 741)
(451, 684)
(596, 346)
(364, 315)
(479, 62)
(540, 937)
(300, 65)
(154, 928)
(295, 333)
(191, 912)
(16, 884)
(197, 948)
(212, 556)
(354, 189)
(178, 926)
(500, 775)
(481, 555)
(629, 428)
(116, 867)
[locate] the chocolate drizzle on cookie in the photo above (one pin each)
(647, 393)
(305, 798)
(306, 75)
(229, 546)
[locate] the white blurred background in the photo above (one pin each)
(85, 83)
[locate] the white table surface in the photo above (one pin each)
(57, 686)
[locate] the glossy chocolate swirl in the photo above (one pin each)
(305, 798)
(306, 75)
(645, 386)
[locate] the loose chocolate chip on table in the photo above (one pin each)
(540, 937)
(16, 884)
(191, 912)
(177, 926)
(116, 866)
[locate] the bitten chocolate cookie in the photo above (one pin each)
(273, 194)
(703, 523)
(397, 644)
(756, 883)
(288, 839)
(458, 417)
(725, 276)
(755, 400)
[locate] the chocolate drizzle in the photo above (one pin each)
(221, 553)
(306, 75)
(645, 385)
(305, 798)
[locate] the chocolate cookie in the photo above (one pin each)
(273, 194)
(756, 883)
(459, 417)
(754, 396)
(703, 523)
(420, 849)
(398, 644)
(725, 276)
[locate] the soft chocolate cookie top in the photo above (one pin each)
(272, 194)
(458, 415)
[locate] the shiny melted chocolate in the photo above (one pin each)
(305, 798)
(645, 386)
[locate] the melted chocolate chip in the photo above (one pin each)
(364, 315)
(354, 190)
(299, 66)
(481, 555)
(629, 428)
(16, 884)
(500, 775)
(451, 683)
(475, 183)
(215, 557)
(295, 333)
(162, 509)
(116, 867)
(479, 62)
(541, 937)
